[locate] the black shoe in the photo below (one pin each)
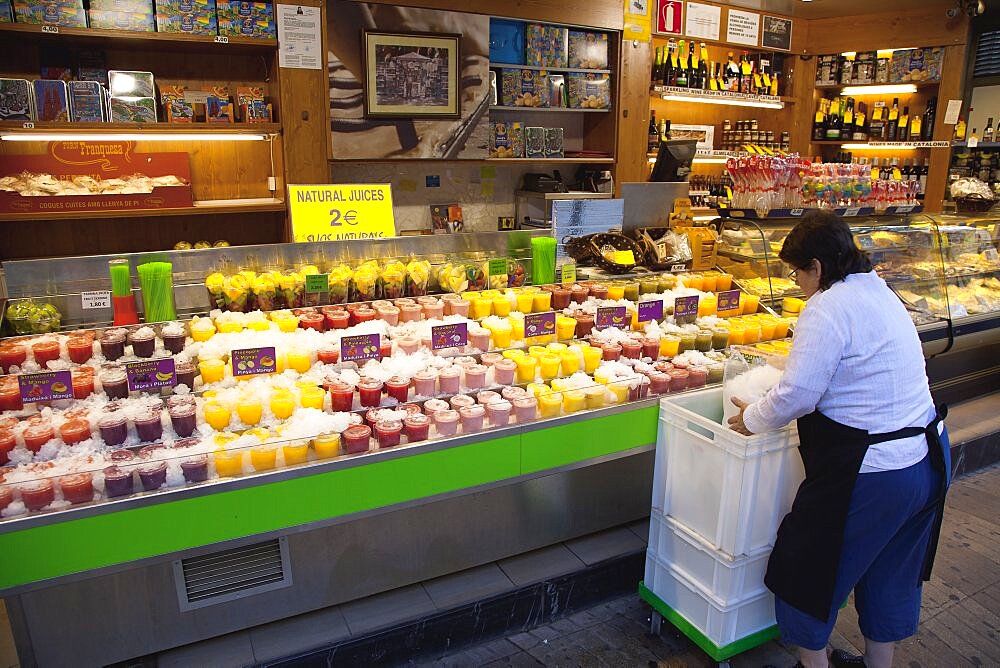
(841, 659)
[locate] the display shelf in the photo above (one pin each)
(551, 110)
(157, 41)
(555, 161)
(918, 84)
(878, 145)
(548, 69)
(202, 207)
(723, 97)
(15, 128)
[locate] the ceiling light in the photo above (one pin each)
(733, 102)
(889, 89)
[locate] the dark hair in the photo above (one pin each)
(824, 236)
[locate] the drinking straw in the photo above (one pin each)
(543, 260)
(122, 300)
(157, 282)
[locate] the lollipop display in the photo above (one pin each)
(767, 182)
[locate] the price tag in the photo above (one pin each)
(623, 257)
(505, 223)
(610, 316)
(851, 212)
(991, 255)
(51, 30)
(652, 310)
(865, 241)
(28, 125)
(727, 301)
(221, 39)
(341, 212)
(359, 347)
(686, 306)
(796, 212)
(569, 272)
(498, 267)
(676, 268)
(317, 283)
(95, 299)
(45, 386)
(151, 374)
(454, 335)
(540, 324)
(253, 361)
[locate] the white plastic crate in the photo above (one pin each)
(722, 624)
(729, 580)
(729, 489)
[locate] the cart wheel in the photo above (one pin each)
(655, 622)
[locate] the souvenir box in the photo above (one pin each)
(525, 88)
(247, 19)
(17, 102)
(589, 90)
(506, 41)
(51, 100)
(588, 50)
(86, 102)
(545, 45)
(63, 13)
(534, 142)
(507, 140)
(191, 16)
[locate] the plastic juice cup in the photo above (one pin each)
(537, 389)
(525, 302)
(525, 368)
(259, 325)
(541, 301)
(501, 306)
(217, 414)
(595, 396)
(724, 282)
(288, 323)
(768, 327)
(570, 362)
(550, 405)
(750, 304)
(298, 359)
(482, 307)
(202, 329)
(501, 333)
(295, 453)
(228, 462)
(327, 445)
(535, 351)
(262, 459)
(249, 410)
(616, 292)
(517, 329)
(688, 340)
(669, 345)
(230, 326)
(558, 384)
(282, 404)
(549, 365)
(602, 376)
(470, 295)
(751, 333)
(212, 370)
(312, 397)
(707, 306)
(620, 391)
(574, 400)
(781, 328)
(737, 334)
(592, 358)
(556, 347)
(710, 282)
(693, 281)
(513, 353)
(565, 327)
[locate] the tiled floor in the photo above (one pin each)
(960, 622)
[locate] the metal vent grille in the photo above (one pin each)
(232, 574)
(988, 55)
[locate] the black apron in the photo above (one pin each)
(802, 569)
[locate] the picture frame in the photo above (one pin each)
(703, 134)
(411, 74)
(777, 33)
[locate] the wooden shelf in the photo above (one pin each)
(901, 145)
(553, 110)
(548, 69)
(19, 127)
(554, 161)
(204, 207)
(918, 84)
(152, 41)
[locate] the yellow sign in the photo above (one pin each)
(341, 212)
(638, 20)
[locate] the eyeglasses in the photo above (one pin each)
(791, 275)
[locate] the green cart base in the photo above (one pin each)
(697, 637)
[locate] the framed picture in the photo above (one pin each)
(777, 33)
(411, 75)
(703, 134)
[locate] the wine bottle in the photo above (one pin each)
(860, 116)
(819, 122)
(732, 75)
(703, 72)
(682, 60)
(671, 63)
(922, 177)
(960, 129)
(720, 75)
(988, 132)
(902, 132)
(930, 116)
(916, 126)
(746, 72)
(653, 143)
(834, 122)
(657, 70)
(877, 125)
(892, 124)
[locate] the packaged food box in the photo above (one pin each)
(828, 70)
(524, 88)
(133, 110)
(587, 50)
(251, 105)
(6, 11)
(545, 45)
(864, 67)
(133, 6)
(176, 109)
(507, 140)
(16, 100)
(131, 83)
(128, 21)
(589, 90)
(506, 41)
(51, 100)
(86, 101)
(534, 142)
(247, 19)
(63, 13)
(554, 142)
(197, 17)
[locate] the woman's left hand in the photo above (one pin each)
(736, 422)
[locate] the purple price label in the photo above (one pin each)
(685, 306)
(728, 300)
(151, 374)
(540, 324)
(454, 335)
(45, 386)
(610, 316)
(651, 311)
(254, 361)
(359, 347)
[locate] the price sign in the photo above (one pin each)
(652, 310)
(498, 267)
(359, 347)
(45, 386)
(569, 272)
(851, 212)
(677, 268)
(221, 39)
(52, 30)
(253, 361)
(453, 335)
(610, 316)
(151, 374)
(686, 306)
(540, 324)
(991, 255)
(95, 299)
(317, 283)
(728, 301)
(341, 212)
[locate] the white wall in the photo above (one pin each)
(985, 103)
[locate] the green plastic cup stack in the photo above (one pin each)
(157, 282)
(543, 260)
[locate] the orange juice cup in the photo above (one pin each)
(249, 410)
(669, 345)
(228, 463)
(541, 301)
(282, 404)
(693, 281)
(312, 397)
(295, 453)
(751, 303)
(709, 282)
(263, 458)
(768, 327)
(550, 404)
(781, 328)
(724, 282)
(212, 370)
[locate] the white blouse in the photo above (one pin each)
(857, 359)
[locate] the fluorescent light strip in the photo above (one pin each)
(126, 136)
(709, 161)
(879, 147)
(725, 101)
(890, 89)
